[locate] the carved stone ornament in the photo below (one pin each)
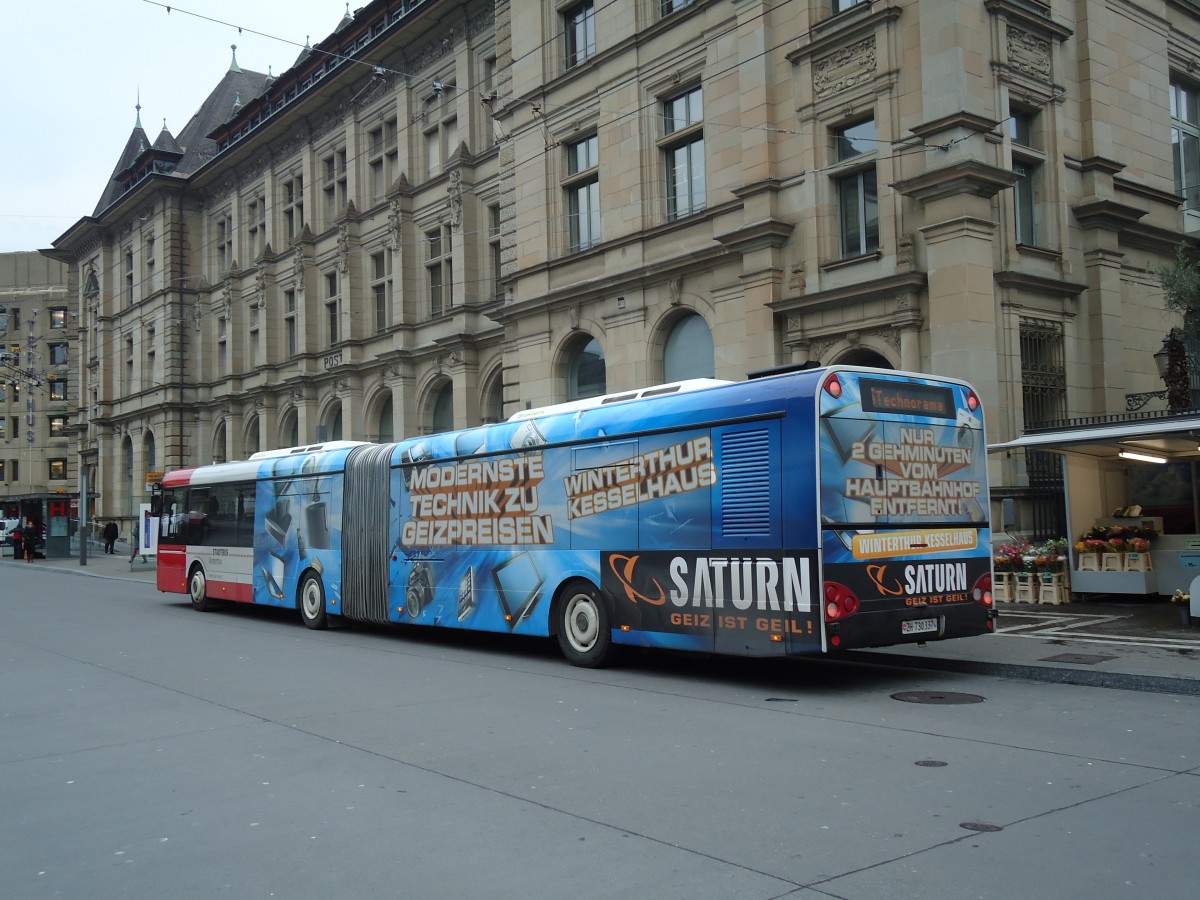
(395, 213)
(798, 280)
(298, 270)
(844, 68)
(258, 298)
(343, 248)
(456, 198)
(1029, 53)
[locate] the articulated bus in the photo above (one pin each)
(799, 512)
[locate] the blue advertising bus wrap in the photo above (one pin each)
(795, 513)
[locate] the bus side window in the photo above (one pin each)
(245, 516)
(195, 526)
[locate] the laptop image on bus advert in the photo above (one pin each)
(518, 585)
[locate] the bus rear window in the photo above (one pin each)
(906, 398)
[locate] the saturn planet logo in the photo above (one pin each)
(624, 567)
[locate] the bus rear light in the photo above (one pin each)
(972, 401)
(833, 387)
(840, 602)
(981, 593)
(835, 640)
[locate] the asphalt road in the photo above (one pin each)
(148, 751)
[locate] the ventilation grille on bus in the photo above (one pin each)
(746, 494)
(366, 533)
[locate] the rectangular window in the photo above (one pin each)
(58, 317)
(1185, 142)
(256, 231)
(381, 289)
(1027, 162)
(332, 308)
(58, 388)
(333, 185)
(148, 373)
(683, 148)
(579, 30)
(57, 469)
(224, 244)
(129, 277)
(1024, 222)
(58, 426)
(857, 191)
(441, 129)
(381, 159)
(666, 7)
(582, 187)
(289, 322)
(838, 6)
(127, 386)
(439, 267)
(58, 354)
(293, 207)
(148, 255)
(494, 247)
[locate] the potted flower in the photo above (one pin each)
(1088, 551)
(1183, 600)
(1137, 555)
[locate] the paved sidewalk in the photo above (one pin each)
(1122, 643)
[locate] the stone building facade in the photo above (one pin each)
(444, 213)
(38, 385)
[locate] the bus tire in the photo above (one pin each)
(584, 633)
(198, 590)
(311, 601)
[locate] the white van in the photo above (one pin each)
(7, 526)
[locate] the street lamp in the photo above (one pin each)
(1171, 362)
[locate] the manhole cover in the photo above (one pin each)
(944, 697)
(931, 763)
(779, 700)
(980, 826)
(1079, 659)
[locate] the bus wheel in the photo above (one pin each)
(584, 635)
(198, 590)
(312, 602)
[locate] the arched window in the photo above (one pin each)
(442, 415)
(151, 452)
(688, 350)
(585, 370)
(493, 400)
(127, 447)
(252, 442)
(218, 444)
(289, 430)
(335, 427)
(387, 431)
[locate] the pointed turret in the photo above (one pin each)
(135, 146)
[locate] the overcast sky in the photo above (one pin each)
(70, 75)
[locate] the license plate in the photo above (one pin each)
(919, 626)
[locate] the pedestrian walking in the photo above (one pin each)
(31, 536)
(18, 538)
(110, 537)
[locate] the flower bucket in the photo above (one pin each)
(1089, 562)
(1112, 562)
(1138, 562)
(1002, 587)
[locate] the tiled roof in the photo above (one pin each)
(238, 86)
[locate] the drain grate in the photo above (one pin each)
(943, 697)
(1079, 659)
(980, 826)
(931, 763)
